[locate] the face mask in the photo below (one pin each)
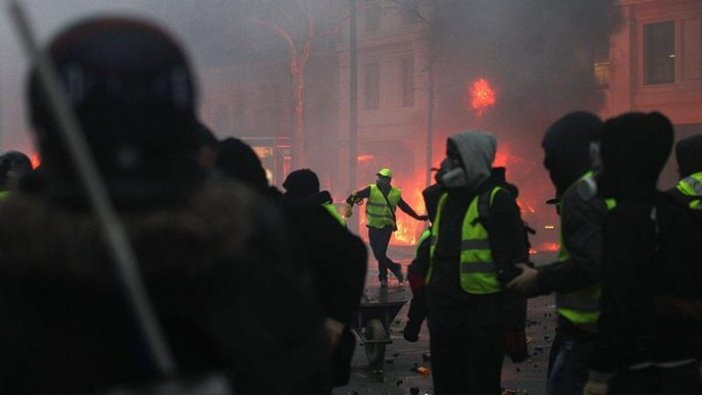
(451, 177)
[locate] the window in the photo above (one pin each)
(407, 81)
(600, 51)
(373, 19)
(372, 86)
(659, 53)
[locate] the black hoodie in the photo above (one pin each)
(567, 158)
(638, 237)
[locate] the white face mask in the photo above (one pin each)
(451, 177)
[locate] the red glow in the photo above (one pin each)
(35, 159)
(550, 247)
(409, 228)
(482, 95)
(503, 157)
(365, 158)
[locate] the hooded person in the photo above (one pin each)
(303, 186)
(383, 199)
(13, 166)
(645, 344)
(238, 161)
(477, 237)
(337, 259)
(199, 246)
(575, 276)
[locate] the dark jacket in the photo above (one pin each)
(337, 261)
(566, 148)
(215, 266)
(337, 257)
(646, 257)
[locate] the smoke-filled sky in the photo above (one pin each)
(205, 26)
(538, 54)
(530, 46)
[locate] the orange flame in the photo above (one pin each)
(35, 159)
(408, 228)
(551, 247)
(365, 158)
(482, 95)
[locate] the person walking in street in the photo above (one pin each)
(575, 276)
(477, 238)
(648, 338)
(383, 199)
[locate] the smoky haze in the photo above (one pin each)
(538, 56)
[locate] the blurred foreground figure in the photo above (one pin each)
(13, 166)
(649, 331)
(575, 277)
(477, 238)
(383, 199)
(337, 260)
(213, 257)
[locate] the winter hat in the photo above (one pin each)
(238, 160)
(301, 183)
(566, 146)
(635, 147)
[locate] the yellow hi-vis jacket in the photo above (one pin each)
(692, 186)
(580, 307)
(379, 212)
(478, 274)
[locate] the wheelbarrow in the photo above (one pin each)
(371, 327)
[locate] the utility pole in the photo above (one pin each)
(353, 105)
(430, 113)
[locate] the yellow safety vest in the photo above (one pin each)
(580, 307)
(378, 213)
(478, 274)
(692, 186)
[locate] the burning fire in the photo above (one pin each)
(35, 159)
(408, 228)
(482, 95)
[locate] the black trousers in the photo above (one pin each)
(379, 241)
(467, 351)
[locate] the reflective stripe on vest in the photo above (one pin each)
(580, 307)
(334, 213)
(378, 214)
(692, 186)
(477, 270)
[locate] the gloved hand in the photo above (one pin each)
(416, 283)
(516, 345)
(596, 387)
(349, 210)
(411, 332)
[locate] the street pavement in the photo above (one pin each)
(400, 374)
